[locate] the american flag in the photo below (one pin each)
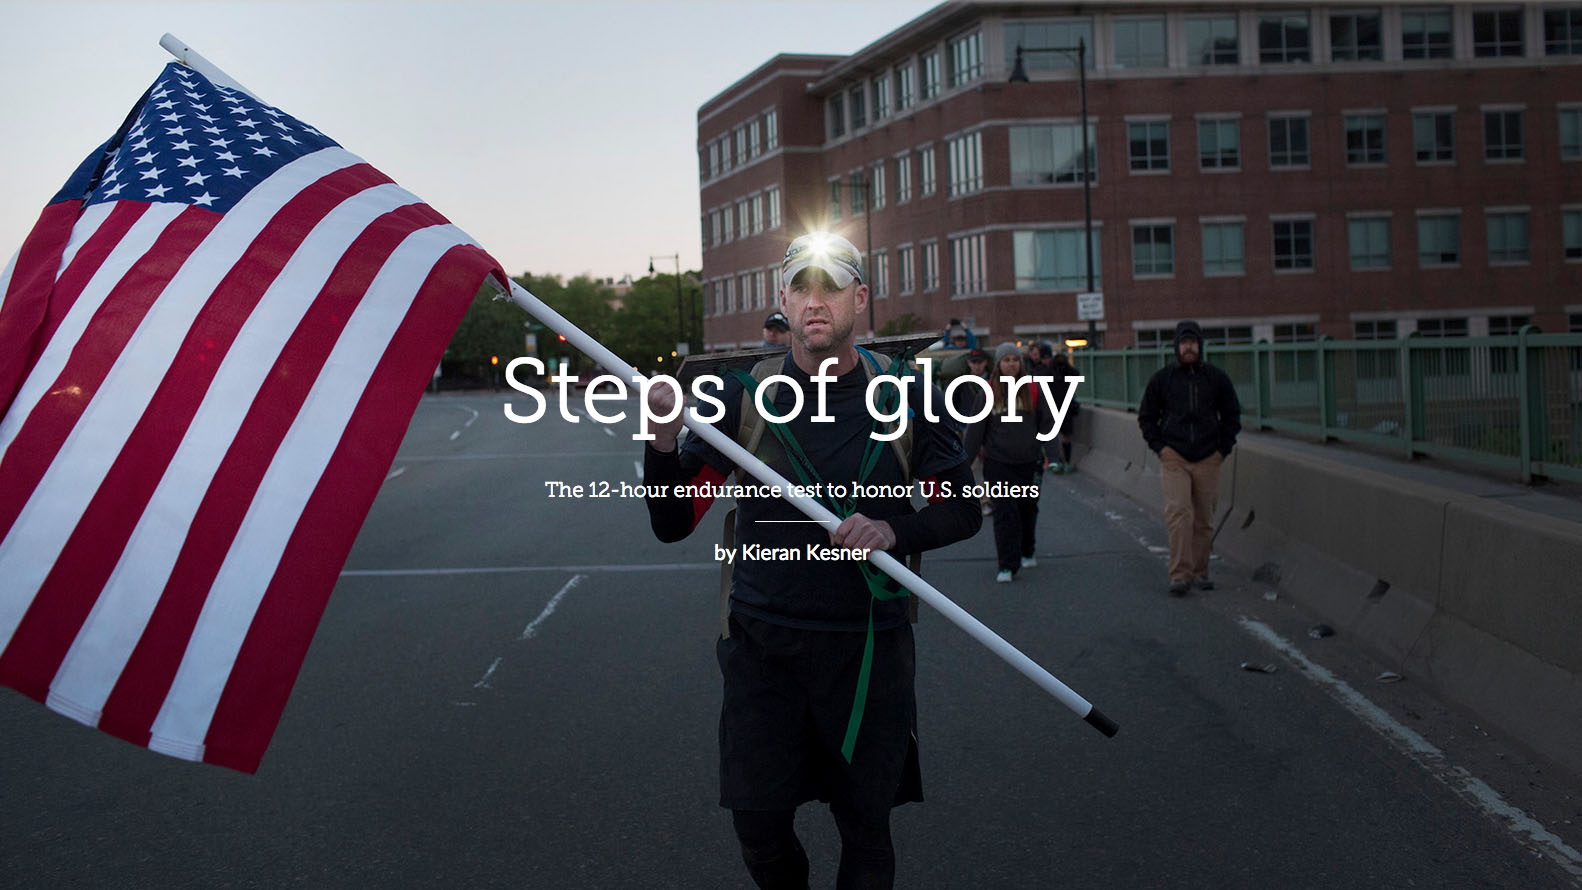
(210, 347)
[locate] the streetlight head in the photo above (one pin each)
(1018, 71)
(650, 265)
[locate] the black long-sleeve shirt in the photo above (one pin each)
(811, 593)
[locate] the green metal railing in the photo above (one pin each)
(1512, 403)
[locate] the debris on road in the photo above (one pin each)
(1258, 668)
(1320, 631)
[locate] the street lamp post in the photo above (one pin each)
(1019, 75)
(681, 315)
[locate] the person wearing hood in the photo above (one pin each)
(1007, 439)
(1190, 417)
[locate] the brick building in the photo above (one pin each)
(1278, 172)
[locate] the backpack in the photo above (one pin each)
(750, 435)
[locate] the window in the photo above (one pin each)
(1438, 240)
(1157, 338)
(1283, 39)
(1050, 153)
(1288, 141)
(1374, 330)
(758, 214)
(837, 116)
(1148, 145)
(1442, 327)
(772, 129)
(834, 200)
(966, 164)
(744, 222)
(903, 179)
(729, 220)
(1139, 43)
(881, 275)
(1153, 250)
(1571, 235)
(1563, 32)
(926, 169)
(754, 139)
(903, 87)
(716, 229)
(1574, 322)
(930, 76)
(931, 265)
(1425, 33)
(1354, 37)
(774, 207)
(1434, 136)
(1507, 325)
(1296, 332)
(714, 159)
(1227, 335)
(730, 295)
(739, 138)
(1570, 134)
(876, 185)
(1223, 253)
(966, 265)
(1496, 32)
(1212, 40)
(1508, 239)
(1502, 135)
(856, 97)
(1052, 260)
(857, 192)
(1369, 240)
(1293, 244)
(760, 298)
(704, 230)
(904, 258)
(881, 97)
(1032, 36)
(966, 59)
(1364, 139)
(1219, 143)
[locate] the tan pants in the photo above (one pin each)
(1190, 490)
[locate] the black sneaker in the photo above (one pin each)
(1203, 583)
(1179, 588)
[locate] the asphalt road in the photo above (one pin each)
(510, 690)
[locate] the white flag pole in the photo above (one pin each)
(889, 564)
(188, 56)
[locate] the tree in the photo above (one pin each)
(901, 324)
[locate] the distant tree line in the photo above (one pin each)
(641, 327)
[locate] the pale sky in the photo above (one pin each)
(561, 136)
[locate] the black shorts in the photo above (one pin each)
(788, 698)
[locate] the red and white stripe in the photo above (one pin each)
(191, 453)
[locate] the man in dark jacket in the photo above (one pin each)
(1190, 417)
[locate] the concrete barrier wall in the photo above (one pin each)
(1484, 601)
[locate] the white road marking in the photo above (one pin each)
(1524, 828)
(395, 472)
(550, 609)
(638, 466)
(609, 432)
(509, 570)
(455, 435)
(484, 683)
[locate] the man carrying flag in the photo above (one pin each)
(210, 346)
(817, 657)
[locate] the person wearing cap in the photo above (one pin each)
(1190, 416)
(1007, 439)
(777, 331)
(796, 631)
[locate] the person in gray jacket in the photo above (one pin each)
(1012, 455)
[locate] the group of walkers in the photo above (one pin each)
(1005, 444)
(817, 654)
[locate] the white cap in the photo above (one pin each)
(828, 251)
